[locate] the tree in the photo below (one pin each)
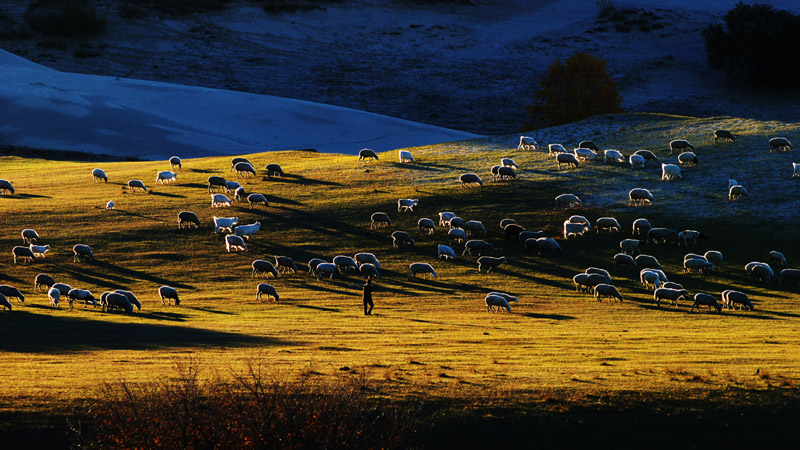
(572, 91)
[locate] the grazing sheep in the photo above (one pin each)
(593, 279)
(6, 304)
(175, 161)
(613, 156)
(218, 182)
(364, 258)
(238, 160)
(244, 169)
(554, 149)
(790, 275)
(508, 162)
(165, 176)
(220, 201)
(673, 295)
(231, 186)
(495, 171)
(133, 185)
(737, 192)
(468, 179)
(239, 194)
(505, 222)
(631, 246)
(687, 237)
(579, 219)
(367, 154)
(273, 170)
(512, 232)
(22, 252)
(168, 293)
(426, 224)
(607, 224)
(260, 266)
(699, 265)
(760, 271)
(456, 222)
(647, 262)
(345, 264)
(6, 188)
(795, 171)
(99, 174)
(188, 219)
(490, 262)
(585, 154)
(622, 259)
(131, 298)
(367, 270)
(62, 288)
(457, 234)
(687, 159)
(81, 295)
(732, 298)
(39, 250)
(568, 201)
(247, 231)
(506, 173)
(325, 269)
(574, 229)
(600, 271)
(680, 145)
(704, 299)
(445, 252)
(638, 197)
(405, 156)
(567, 159)
(637, 161)
(776, 258)
(527, 143)
(779, 144)
(723, 135)
(670, 284)
(421, 268)
(43, 280)
(110, 205)
(606, 291)
(546, 246)
(649, 157)
(313, 263)
(444, 217)
(285, 264)
(29, 236)
(590, 145)
(649, 279)
(581, 282)
(689, 256)
(714, 257)
(477, 246)
(407, 204)
(474, 228)
(664, 236)
(401, 237)
(225, 224)
(80, 250)
(670, 172)
(236, 243)
(264, 288)
(641, 227)
(11, 291)
(380, 219)
(496, 301)
(54, 295)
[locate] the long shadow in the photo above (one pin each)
(687, 311)
(84, 275)
(195, 185)
(164, 194)
(27, 332)
(283, 201)
(548, 316)
(210, 310)
(203, 171)
(299, 179)
(10, 278)
(139, 275)
(22, 195)
(166, 316)
(122, 211)
(427, 167)
(319, 308)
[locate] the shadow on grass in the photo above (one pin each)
(686, 310)
(164, 194)
(299, 179)
(210, 310)
(167, 316)
(547, 316)
(28, 332)
(283, 201)
(139, 275)
(427, 167)
(319, 308)
(24, 195)
(122, 211)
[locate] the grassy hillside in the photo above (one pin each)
(431, 338)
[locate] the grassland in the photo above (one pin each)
(429, 339)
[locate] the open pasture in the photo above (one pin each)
(427, 337)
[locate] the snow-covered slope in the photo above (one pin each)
(45, 108)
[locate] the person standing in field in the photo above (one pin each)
(368, 304)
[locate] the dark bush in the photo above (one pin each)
(64, 18)
(757, 42)
(572, 91)
(140, 8)
(288, 6)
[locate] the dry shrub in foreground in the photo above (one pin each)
(253, 411)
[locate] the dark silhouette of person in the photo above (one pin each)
(368, 298)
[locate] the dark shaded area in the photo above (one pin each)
(60, 155)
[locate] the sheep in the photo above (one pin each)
(495, 171)
(260, 266)
(732, 298)
(313, 263)
(496, 301)
(622, 259)
(579, 219)
(606, 290)
(22, 252)
(29, 236)
(648, 157)
(457, 234)
(325, 269)
(664, 236)
(795, 171)
(776, 258)
(593, 279)
(133, 185)
(39, 250)
(421, 268)
(407, 204)
(220, 201)
(490, 262)
(574, 229)
(600, 271)
(760, 271)
(345, 264)
(405, 156)
(285, 264)
(512, 232)
(607, 223)
(456, 222)
(131, 298)
(367, 154)
(231, 186)
(474, 228)
(6, 188)
(661, 275)
(99, 174)
(700, 265)
(110, 205)
(247, 231)
(687, 237)
(168, 293)
(478, 246)
(545, 246)
(689, 256)
(11, 291)
(238, 160)
(505, 222)
(649, 279)
(585, 154)
(363, 258)
(401, 237)
(62, 288)
(714, 257)
(274, 170)
(506, 173)
(43, 279)
(673, 295)
(235, 243)
(216, 181)
(444, 217)
(779, 144)
(647, 262)
(527, 143)
(555, 149)
(80, 250)
(243, 169)
(581, 282)
(510, 298)
(701, 298)
(54, 295)
(567, 159)
(175, 161)
(188, 219)
(380, 219)
(81, 295)
(367, 270)
(111, 300)
(737, 192)
(268, 289)
(568, 201)
(6, 304)
(225, 223)
(680, 145)
(613, 156)
(426, 224)
(240, 194)
(165, 176)
(589, 144)
(687, 159)
(670, 172)
(790, 275)
(638, 197)
(723, 135)
(468, 179)
(508, 162)
(631, 246)
(445, 252)
(636, 161)
(641, 227)
(669, 284)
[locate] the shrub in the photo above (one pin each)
(572, 91)
(758, 43)
(64, 18)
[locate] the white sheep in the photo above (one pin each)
(112, 300)
(647, 262)
(225, 223)
(81, 250)
(468, 179)
(622, 259)
(795, 171)
(714, 257)
(673, 295)
(345, 264)
(670, 172)
(638, 197)
(701, 298)
(240, 194)
(267, 289)
(631, 246)
(367, 270)
(606, 291)
(567, 159)
(237, 160)
(613, 156)
(220, 201)
(54, 295)
(574, 229)
(261, 266)
(509, 298)
(600, 271)
(81, 295)
(776, 258)
(649, 279)
(760, 271)
(246, 231)
(545, 246)
(421, 268)
(607, 223)
(325, 269)
(401, 238)
(585, 154)
(445, 252)
(30, 236)
(313, 263)
(407, 204)
(648, 156)
(43, 280)
(39, 250)
(232, 186)
(581, 282)
(133, 185)
(6, 188)
(99, 174)
(426, 224)
(477, 246)
(641, 227)
(637, 161)
(489, 263)
(367, 258)
(367, 154)
(567, 201)
(110, 205)
(457, 234)
(505, 173)
(62, 288)
(496, 301)
(699, 265)
(169, 293)
(444, 217)
(175, 162)
(474, 228)
(527, 143)
(687, 159)
(244, 169)
(687, 237)
(680, 145)
(405, 156)
(380, 219)
(731, 298)
(131, 298)
(555, 149)
(166, 176)
(737, 192)
(779, 144)
(508, 162)
(579, 219)
(236, 243)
